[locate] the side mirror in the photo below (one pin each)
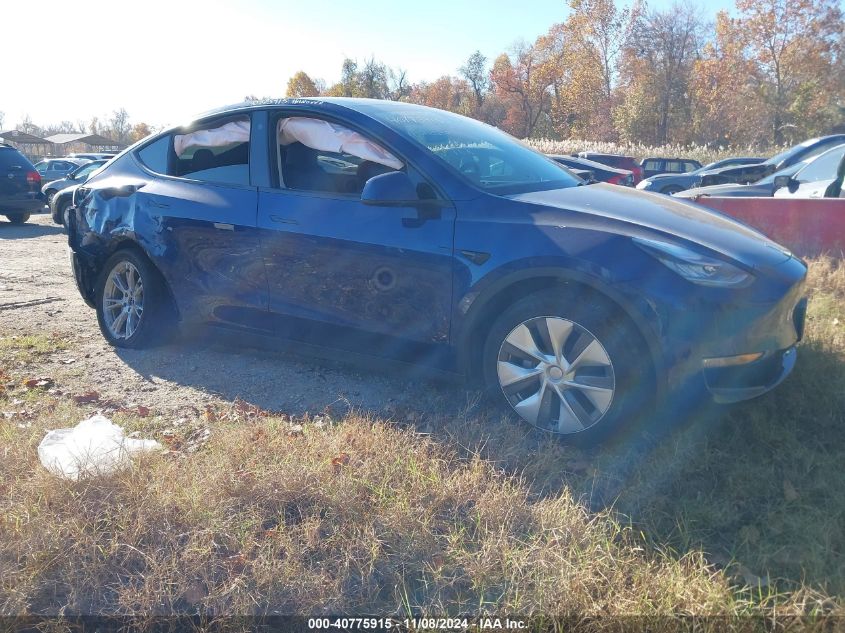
(393, 189)
(784, 181)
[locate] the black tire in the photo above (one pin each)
(630, 364)
(57, 211)
(671, 189)
(17, 218)
(154, 321)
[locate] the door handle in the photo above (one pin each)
(224, 227)
(283, 220)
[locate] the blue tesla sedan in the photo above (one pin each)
(404, 231)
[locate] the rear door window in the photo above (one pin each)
(652, 165)
(218, 152)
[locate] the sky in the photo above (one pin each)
(165, 60)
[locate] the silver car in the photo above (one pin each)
(673, 183)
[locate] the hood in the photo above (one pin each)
(664, 214)
(729, 190)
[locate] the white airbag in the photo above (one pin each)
(329, 137)
(229, 134)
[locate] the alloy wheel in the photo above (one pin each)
(123, 300)
(556, 374)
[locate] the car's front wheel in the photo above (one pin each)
(57, 210)
(130, 300)
(568, 363)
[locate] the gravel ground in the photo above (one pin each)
(38, 295)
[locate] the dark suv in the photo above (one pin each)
(397, 230)
(20, 186)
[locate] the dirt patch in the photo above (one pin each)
(38, 296)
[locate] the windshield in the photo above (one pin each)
(86, 170)
(786, 171)
(779, 158)
(489, 158)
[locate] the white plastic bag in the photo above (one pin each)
(93, 447)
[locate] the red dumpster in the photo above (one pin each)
(806, 226)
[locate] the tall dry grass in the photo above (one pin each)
(702, 153)
(736, 515)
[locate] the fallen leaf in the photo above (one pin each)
(88, 396)
(143, 411)
(38, 383)
(340, 460)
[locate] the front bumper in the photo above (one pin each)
(743, 382)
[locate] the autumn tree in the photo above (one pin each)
(119, 126)
(599, 31)
(725, 111)
(792, 44)
(139, 131)
(522, 82)
(301, 85)
(447, 93)
(655, 74)
(474, 71)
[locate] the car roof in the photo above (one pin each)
(590, 164)
(357, 104)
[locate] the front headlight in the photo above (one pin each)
(643, 184)
(695, 267)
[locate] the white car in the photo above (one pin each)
(821, 178)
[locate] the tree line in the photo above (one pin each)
(772, 73)
(116, 127)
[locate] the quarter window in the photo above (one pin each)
(154, 155)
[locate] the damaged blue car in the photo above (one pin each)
(401, 231)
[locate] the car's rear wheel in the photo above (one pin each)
(17, 218)
(568, 363)
(130, 300)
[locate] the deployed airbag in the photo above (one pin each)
(329, 137)
(228, 134)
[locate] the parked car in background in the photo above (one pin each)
(60, 204)
(653, 166)
(93, 155)
(411, 232)
(20, 186)
(752, 173)
(763, 188)
(616, 160)
(52, 169)
(673, 183)
(600, 172)
(820, 179)
(75, 177)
